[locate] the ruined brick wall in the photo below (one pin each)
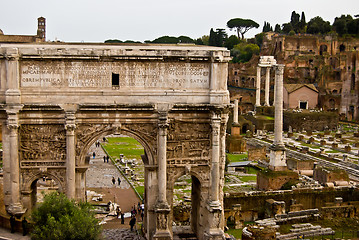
(253, 204)
(328, 62)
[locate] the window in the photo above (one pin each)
(303, 104)
(115, 79)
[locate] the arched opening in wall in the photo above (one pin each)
(41, 186)
(352, 82)
(331, 103)
(186, 206)
(116, 179)
(252, 83)
(342, 48)
(280, 46)
(323, 49)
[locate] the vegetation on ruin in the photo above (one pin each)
(60, 218)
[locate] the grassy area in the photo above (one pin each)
(237, 233)
(237, 157)
(247, 178)
(140, 190)
(251, 170)
(127, 146)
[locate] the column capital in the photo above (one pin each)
(279, 68)
(70, 127)
(163, 120)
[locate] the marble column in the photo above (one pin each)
(278, 118)
(162, 208)
(70, 155)
(162, 161)
(266, 96)
(215, 123)
(15, 206)
(277, 160)
(235, 112)
(258, 87)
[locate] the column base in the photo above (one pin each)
(16, 209)
(277, 161)
(214, 206)
(162, 235)
(214, 234)
(162, 232)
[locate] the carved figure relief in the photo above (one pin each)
(40, 142)
(161, 221)
(188, 143)
(28, 176)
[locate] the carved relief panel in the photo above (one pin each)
(188, 143)
(42, 145)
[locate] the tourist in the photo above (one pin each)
(24, 227)
(142, 215)
(113, 180)
(107, 158)
(132, 222)
(118, 211)
(104, 159)
(94, 155)
(119, 181)
(122, 218)
(12, 223)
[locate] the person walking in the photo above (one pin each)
(104, 159)
(122, 218)
(24, 226)
(107, 158)
(113, 180)
(119, 181)
(12, 223)
(94, 155)
(132, 222)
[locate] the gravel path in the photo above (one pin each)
(99, 179)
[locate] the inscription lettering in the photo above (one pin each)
(99, 74)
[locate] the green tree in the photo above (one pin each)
(231, 42)
(318, 25)
(241, 25)
(277, 28)
(244, 51)
(287, 27)
(294, 21)
(302, 24)
(166, 39)
(60, 218)
(259, 39)
(218, 37)
(340, 24)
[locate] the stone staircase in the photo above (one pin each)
(304, 230)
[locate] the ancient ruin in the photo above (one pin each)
(59, 99)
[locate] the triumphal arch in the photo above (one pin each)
(58, 99)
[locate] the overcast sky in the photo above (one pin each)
(139, 20)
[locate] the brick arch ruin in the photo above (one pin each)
(57, 100)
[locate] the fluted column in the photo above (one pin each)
(15, 206)
(278, 119)
(70, 155)
(258, 87)
(235, 112)
(215, 123)
(266, 96)
(162, 158)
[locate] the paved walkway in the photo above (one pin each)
(5, 235)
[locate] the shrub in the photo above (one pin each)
(60, 218)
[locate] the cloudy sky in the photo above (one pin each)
(98, 20)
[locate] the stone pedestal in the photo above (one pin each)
(277, 160)
(162, 229)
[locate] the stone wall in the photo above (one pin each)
(274, 180)
(253, 204)
(257, 153)
(310, 121)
